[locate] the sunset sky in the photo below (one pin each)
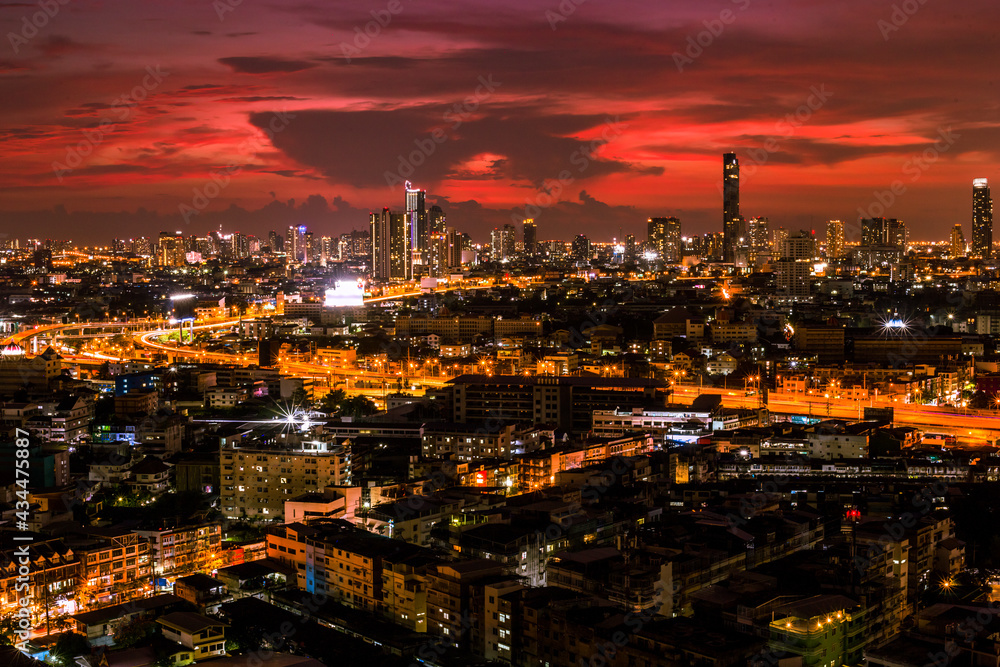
(895, 97)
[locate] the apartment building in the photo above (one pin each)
(115, 565)
(260, 475)
(465, 442)
(184, 546)
(54, 570)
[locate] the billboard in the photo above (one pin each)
(345, 294)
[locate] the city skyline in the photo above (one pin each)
(136, 132)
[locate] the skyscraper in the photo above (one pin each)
(436, 220)
(957, 241)
(759, 237)
(295, 244)
(581, 248)
(834, 239)
(778, 241)
(391, 250)
(792, 271)
(275, 242)
(502, 243)
(732, 222)
(530, 236)
(884, 231)
(982, 219)
(171, 249)
(631, 252)
(664, 236)
(416, 219)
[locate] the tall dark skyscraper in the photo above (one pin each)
(391, 250)
(982, 219)
(530, 236)
(732, 222)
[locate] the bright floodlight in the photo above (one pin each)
(181, 297)
(345, 294)
(649, 255)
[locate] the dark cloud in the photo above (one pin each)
(264, 65)
(428, 145)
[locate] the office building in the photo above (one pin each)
(732, 222)
(884, 232)
(530, 237)
(982, 219)
(417, 221)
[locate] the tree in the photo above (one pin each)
(134, 633)
(8, 629)
(299, 397)
(359, 406)
(68, 647)
(333, 401)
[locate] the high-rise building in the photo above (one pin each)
(295, 244)
(416, 219)
(957, 241)
(759, 239)
(445, 252)
(436, 220)
(664, 236)
(982, 219)
(391, 250)
(732, 222)
(884, 232)
(171, 249)
(778, 241)
(792, 271)
(275, 242)
(834, 239)
(581, 248)
(502, 243)
(631, 251)
(898, 234)
(530, 236)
